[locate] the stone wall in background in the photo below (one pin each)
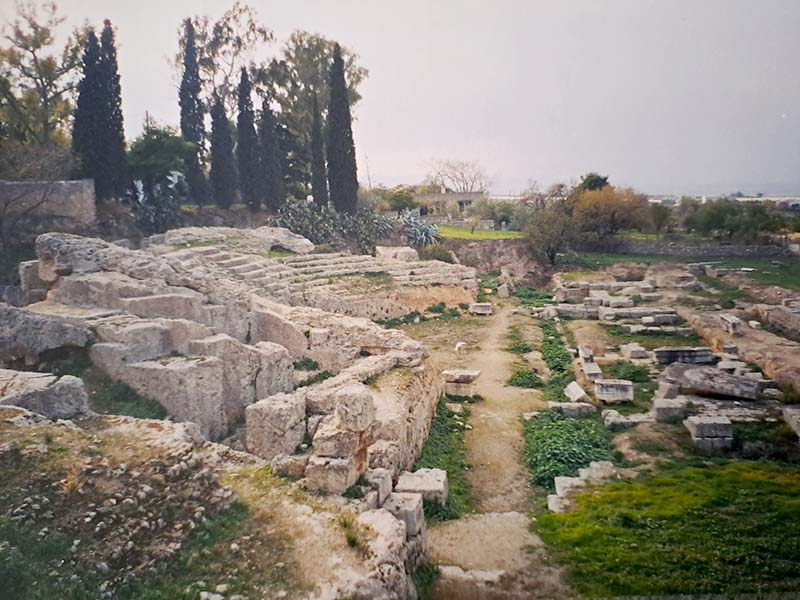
(67, 206)
(703, 251)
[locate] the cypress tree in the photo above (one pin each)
(272, 172)
(319, 175)
(113, 128)
(87, 127)
(223, 167)
(247, 153)
(342, 176)
(192, 113)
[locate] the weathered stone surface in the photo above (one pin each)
(290, 465)
(696, 356)
(669, 409)
(331, 439)
(259, 240)
(613, 391)
(275, 425)
(713, 443)
(355, 408)
(632, 351)
(709, 427)
(381, 481)
(565, 485)
(404, 253)
(710, 381)
(407, 507)
(461, 375)
(431, 483)
(480, 308)
(572, 409)
(615, 420)
(25, 334)
(44, 394)
(460, 389)
(332, 475)
(592, 371)
(575, 392)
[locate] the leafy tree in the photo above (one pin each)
(401, 200)
(302, 73)
(549, 230)
(157, 153)
(295, 161)
(192, 115)
(113, 129)
(604, 212)
(660, 214)
(272, 172)
(97, 133)
(37, 85)
(319, 173)
(247, 152)
(730, 219)
(342, 175)
(223, 167)
(224, 47)
(592, 182)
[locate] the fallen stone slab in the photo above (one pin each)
(480, 308)
(592, 371)
(575, 392)
(331, 474)
(695, 356)
(633, 350)
(565, 485)
(615, 420)
(713, 382)
(460, 375)
(25, 334)
(572, 409)
(613, 391)
(700, 426)
(669, 409)
(431, 483)
(381, 481)
(275, 425)
(44, 393)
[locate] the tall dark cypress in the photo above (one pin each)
(247, 153)
(342, 176)
(272, 172)
(87, 128)
(113, 128)
(223, 167)
(192, 114)
(319, 175)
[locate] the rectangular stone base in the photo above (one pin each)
(459, 389)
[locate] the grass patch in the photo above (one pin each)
(424, 579)
(727, 528)
(445, 449)
(316, 378)
(306, 364)
(517, 345)
(650, 340)
(448, 232)
(411, 317)
(525, 378)
(556, 445)
(116, 398)
(727, 295)
(558, 359)
(531, 297)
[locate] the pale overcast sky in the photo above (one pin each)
(668, 96)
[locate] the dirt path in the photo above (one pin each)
(497, 539)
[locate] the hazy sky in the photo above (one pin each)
(667, 96)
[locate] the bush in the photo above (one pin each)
(624, 369)
(559, 446)
(419, 233)
(525, 379)
(436, 252)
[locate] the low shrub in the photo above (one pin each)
(532, 297)
(625, 369)
(525, 378)
(558, 445)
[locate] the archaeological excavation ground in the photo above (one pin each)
(231, 414)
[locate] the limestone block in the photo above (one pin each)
(614, 420)
(404, 253)
(669, 409)
(592, 371)
(713, 443)
(586, 354)
(185, 305)
(619, 302)
(613, 391)
(183, 331)
(558, 504)
(632, 351)
(461, 375)
(290, 465)
(710, 381)
(385, 454)
(312, 423)
(503, 291)
(575, 392)
(381, 481)
(791, 414)
(709, 426)
(565, 485)
(25, 334)
(649, 320)
(754, 324)
(331, 439)
(668, 354)
(773, 394)
(44, 394)
(598, 470)
(331, 475)
(431, 483)
(572, 409)
(480, 308)
(667, 390)
(355, 408)
(667, 319)
(407, 507)
(275, 425)
(143, 340)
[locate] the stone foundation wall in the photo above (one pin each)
(698, 251)
(67, 206)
